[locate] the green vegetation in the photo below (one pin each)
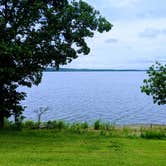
(87, 148)
(38, 34)
(155, 85)
(135, 131)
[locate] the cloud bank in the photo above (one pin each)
(137, 39)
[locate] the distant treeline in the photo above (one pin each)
(88, 70)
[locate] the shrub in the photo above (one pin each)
(61, 125)
(7, 123)
(153, 133)
(97, 125)
(76, 127)
(126, 131)
(84, 125)
(107, 126)
(51, 124)
(11, 125)
(30, 124)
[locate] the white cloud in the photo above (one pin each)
(122, 3)
(131, 50)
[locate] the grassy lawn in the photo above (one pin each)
(52, 148)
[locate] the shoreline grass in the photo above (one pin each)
(58, 143)
(40, 147)
(132, 131)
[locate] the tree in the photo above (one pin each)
(39, 113)
(155, 85)
(35, 34)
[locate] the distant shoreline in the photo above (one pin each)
(93, 70)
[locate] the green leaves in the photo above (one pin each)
(155, 85)
(34, 34)
(104, 25)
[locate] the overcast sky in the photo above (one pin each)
(137, 39)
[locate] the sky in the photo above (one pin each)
(137, 39)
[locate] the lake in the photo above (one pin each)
(113, 97)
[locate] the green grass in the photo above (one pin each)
(66, 148)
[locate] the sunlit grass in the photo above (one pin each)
(51, 148)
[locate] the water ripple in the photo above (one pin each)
(87, 96)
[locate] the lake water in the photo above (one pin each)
(87, 96)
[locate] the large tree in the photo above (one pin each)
(38, 33)
(155, 85)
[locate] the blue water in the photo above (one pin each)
(86, 96)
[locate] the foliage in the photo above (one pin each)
(155, 85)
(84, 125)
(61, 125)
(30, 124)
(51, 124)
(153, 133)
(106, 126)
(36, 34)
(7, 123)
(126, 131)
(105, 129)
(97, 125)
(76, 127)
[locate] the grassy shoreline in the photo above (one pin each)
(53, 147)
(57, 143)
(143, 131)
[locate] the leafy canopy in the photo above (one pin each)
(155, 85)
(35, 34)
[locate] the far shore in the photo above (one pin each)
(93, 70)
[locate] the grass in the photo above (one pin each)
(67, 148)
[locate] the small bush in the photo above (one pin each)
(126, 131)
(107, 126)
(61, 125)
(76, 127)
(84, 125)
(52, 124)
(153, 133)
(7, 123)
(30, 124)
(97, 125)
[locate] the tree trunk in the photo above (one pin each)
(1, 119)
